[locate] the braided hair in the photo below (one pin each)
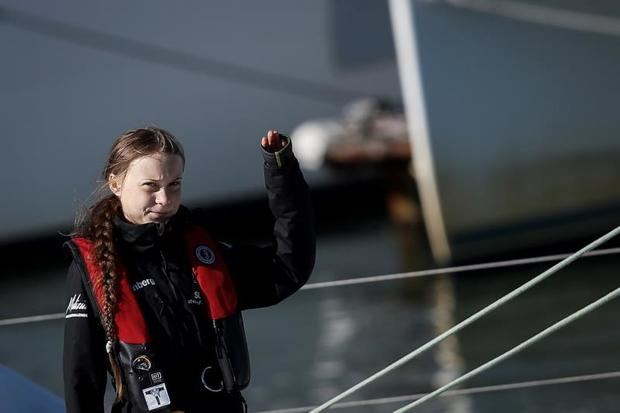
(96, 222)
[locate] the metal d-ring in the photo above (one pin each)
(203, 378)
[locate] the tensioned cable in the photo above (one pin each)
(470, 319)
(460, 392)
(548, 16)
(379, 278)
(31, 319)
(567, 320)
(454, 270)
(139, 50)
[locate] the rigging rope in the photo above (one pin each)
(461, 392)
(31, 319)
(378, 278)
(453, 270)
(563, 322)
(470, 319)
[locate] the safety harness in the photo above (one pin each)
(143, 373)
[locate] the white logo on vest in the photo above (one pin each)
(205, 255)
(77, 307)
(156, 377)
(143, 283)
(156, 396)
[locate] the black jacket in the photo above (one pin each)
(164, 288)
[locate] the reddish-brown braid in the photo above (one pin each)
(101, 233)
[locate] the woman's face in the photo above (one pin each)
(150, 190)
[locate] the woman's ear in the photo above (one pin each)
(114, 183)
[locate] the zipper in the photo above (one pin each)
(182, 303)
(223, 356)
(164, 268)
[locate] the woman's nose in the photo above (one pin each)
(161, 197)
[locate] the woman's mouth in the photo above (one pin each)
(158, 214)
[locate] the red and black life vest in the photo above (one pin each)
(142, 370)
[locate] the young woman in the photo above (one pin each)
(157, 302)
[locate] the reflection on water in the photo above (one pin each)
(336, 331)
(321, 342)
(447, 353)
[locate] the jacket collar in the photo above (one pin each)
(143, 237)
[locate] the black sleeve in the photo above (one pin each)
(266, 276)
(84, 368)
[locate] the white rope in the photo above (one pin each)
(461, 392)
(378, 278)
(470, 320)
(548, 16)
(31, 319)
(585, 310)
(453, 270)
